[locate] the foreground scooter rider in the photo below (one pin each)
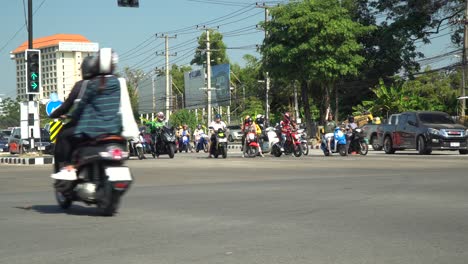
(63, 147)
(98, 112)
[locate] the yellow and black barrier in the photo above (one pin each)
(55, 127)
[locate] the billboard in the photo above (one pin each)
(195, 94)
(195, 87)
(152, 94)
(221, 83)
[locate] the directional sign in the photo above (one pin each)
(52, 105)
(34, 85)
(34, 76)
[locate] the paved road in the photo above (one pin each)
(402, 208)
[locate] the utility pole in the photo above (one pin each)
(296, 106)
(168, 87)
(267, 77)
(464, 60)
(208, 71)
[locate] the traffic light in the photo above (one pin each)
(33, 71)
(128, 3)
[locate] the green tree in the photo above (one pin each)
(400, 26)
(133, 77)
(432, 91)
(184, 116)
(11, 113)
(218, 53)
(313, 42)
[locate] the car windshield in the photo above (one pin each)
(434, 118)
(45, 136)
(3, 136)
(234, 127)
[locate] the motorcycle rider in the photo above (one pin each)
(98, 112)
(184, 131)
(197, 134)
(155, 127)
(215, 126)
(330, 126)
(63, 147)
(349, 135)
(285, 126)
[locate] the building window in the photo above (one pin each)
(63, 55)
(63, 60)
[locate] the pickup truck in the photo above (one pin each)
(424, 131)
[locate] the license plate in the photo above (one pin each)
(118, 174)
(454, 144)
(41, 148)
(222, 140)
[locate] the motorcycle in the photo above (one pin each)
(165, 143)
(220, 147)
(135, 148)
(337, 144)
(358, 143)
(251, 144)
(101, 177)
(184, 142)
(303, 140)
(202, 143)
(291, 146)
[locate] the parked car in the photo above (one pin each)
(17, 145)
(370, 133)
(424, 131)
(235, 133)
(3, 142)
(6, 132)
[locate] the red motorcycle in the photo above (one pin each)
(251, 143)
(291, 146)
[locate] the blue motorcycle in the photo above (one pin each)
(184, 142)
(337, 144)
(202, 143)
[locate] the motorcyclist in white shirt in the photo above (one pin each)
(214, 127)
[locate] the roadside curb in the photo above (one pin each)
(27, 161)
(234, 146)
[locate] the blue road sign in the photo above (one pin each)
(52, 105)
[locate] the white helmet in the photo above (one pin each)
(107, 61)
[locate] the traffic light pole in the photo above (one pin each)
(30, 25)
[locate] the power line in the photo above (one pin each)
(21, 28)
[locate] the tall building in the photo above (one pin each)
(61, 57)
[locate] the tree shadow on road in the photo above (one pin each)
(77, 210)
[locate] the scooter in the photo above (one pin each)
(202, 143)
(135, 148)
(337, 144)
(251, 144)
(183, 143)
(291, 146)
(220, 147)
(358, 143)
(101, 177)
(303, 140)
(165, 143)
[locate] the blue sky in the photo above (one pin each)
(124, 29)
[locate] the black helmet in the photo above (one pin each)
(89, 67)
(351, 119)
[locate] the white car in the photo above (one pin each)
(235, 133)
